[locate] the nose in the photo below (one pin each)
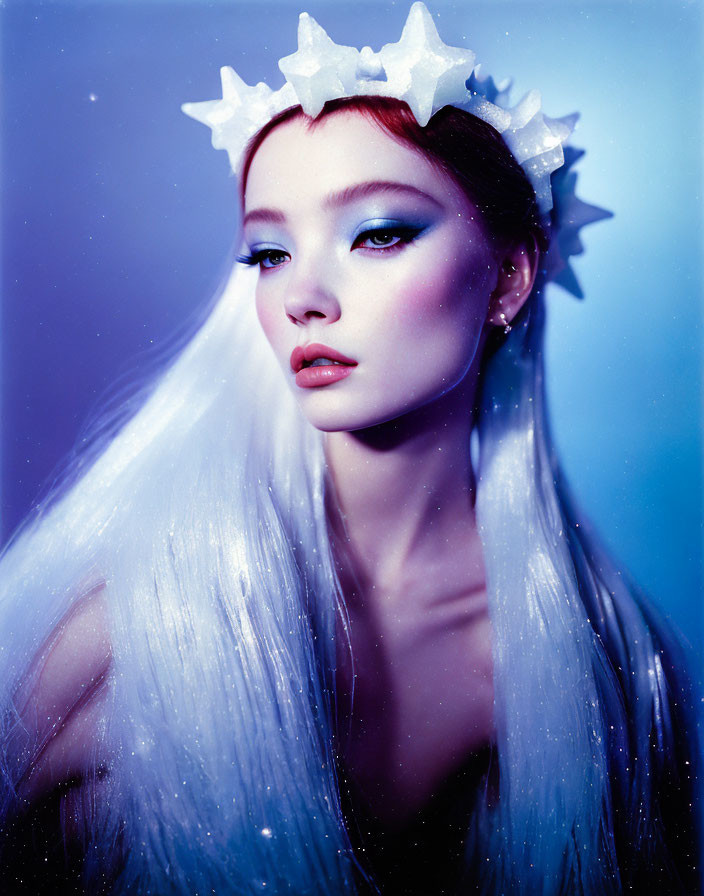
(309, 298)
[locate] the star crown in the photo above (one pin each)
(427, 74)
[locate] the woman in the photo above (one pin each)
(367, 633)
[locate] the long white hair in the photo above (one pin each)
(593, 700)
(204, 516)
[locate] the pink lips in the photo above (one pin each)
(323, 375)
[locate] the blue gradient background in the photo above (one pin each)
(118, 219)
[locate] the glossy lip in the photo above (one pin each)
(316, 350)
(317, 377)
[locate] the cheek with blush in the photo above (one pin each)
(442, 322)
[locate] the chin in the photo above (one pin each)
(341, 422)
(355, 419)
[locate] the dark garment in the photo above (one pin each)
(426, 857)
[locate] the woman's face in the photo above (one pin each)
(367, 253)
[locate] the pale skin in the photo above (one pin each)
(397, 430)
(61, 704)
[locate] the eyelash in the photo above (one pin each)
(260, 256)
(406, 233)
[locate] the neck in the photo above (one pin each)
(402, 493)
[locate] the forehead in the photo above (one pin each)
(296, 165)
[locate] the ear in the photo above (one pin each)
(518, 267)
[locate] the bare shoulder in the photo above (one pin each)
(60, 707)
(62, 700)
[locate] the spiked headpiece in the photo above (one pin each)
(426, 74)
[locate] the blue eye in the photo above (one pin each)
(389, 236)
(265, 258)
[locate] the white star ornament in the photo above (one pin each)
(422, 70)
(319, 70)
(241, 112)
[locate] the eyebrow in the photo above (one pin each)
(343, 197)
